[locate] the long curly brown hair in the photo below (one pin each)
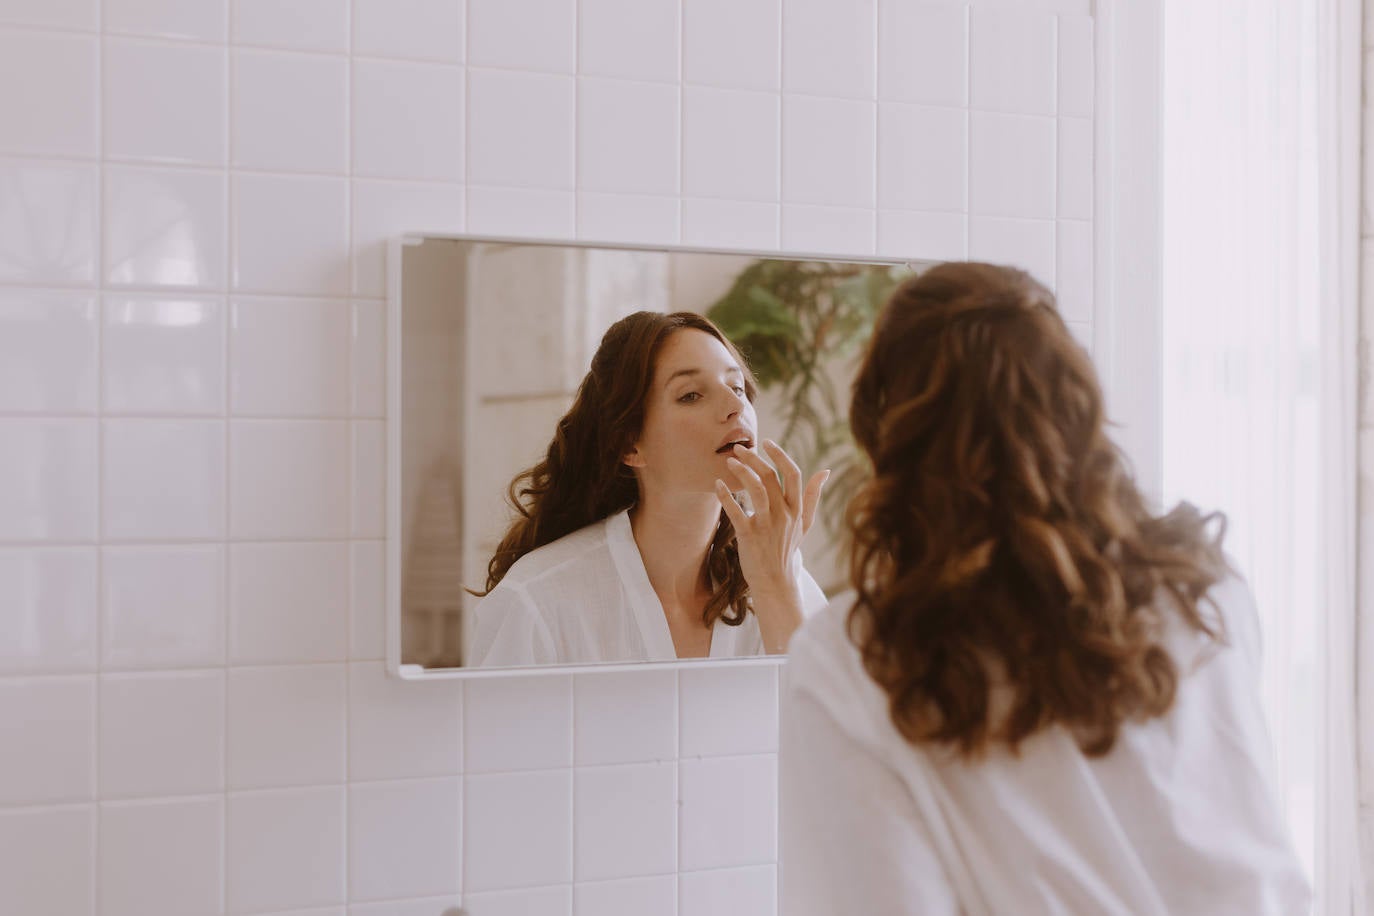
(583, 477)
(1001, 539)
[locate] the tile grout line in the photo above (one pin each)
(99, 269)
(226, 379)
(349, 283)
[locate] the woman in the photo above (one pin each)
(1040, 697)
(630, 544)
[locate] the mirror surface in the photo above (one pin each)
(490, 340)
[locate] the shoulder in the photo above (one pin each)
(821, 657)
(546, 561)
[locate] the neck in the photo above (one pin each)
(673, 533)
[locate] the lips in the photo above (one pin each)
(736, 437)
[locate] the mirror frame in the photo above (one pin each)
(394, 356)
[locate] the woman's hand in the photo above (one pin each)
(770, 538)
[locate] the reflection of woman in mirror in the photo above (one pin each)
(1040, 697)
(629, 544)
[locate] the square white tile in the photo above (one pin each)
(290, 112)
(368, 383)
(285, 849)
(50, 606)
(404, 838)
(1012, 166)
(732, 43)
(628, 39)
(534, 150)
(286, 725)
(290, 234)
(288, 602)
(49, 222)
(410, 29)
(923, 52)
(728, 711)
(369, 479)
(165, 228)
(83, 15)
(163, 355)
(49, 93)
(289, 357)
(828, 151)
(1075, 168)
(382, 209)
(400, 730)
(144, 80)
(161, 733)
(163, 606)
(205, 21)
(367, 600)
(162, 479)
(1024, 243)
(161, 857)
(922, 157)
(521, 212)
(288, 478)
(827, 230)
(729, 812)
(47, 860)
(47, 352)
(408, 120)
(730, 144)
(48, 474)
(46, 726)
(628, 897)
(625, 717)
(523, 34)
(626, 824)
(729, 892)
(932, 236)
(542, 901)
(301, 25)
(1074, 270)
(627, 137)
(730, 223)
(517, 723)
(1012, 60)
(627, 218)
(519, 830)
(828, 48)
(1076, 65)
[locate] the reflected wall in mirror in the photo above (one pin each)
(490, 341)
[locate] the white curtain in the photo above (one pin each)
(1260, 287)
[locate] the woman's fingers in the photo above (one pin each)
(791, 474)
(767, 476)
(733, 510)
(812, 499)
(753, 484)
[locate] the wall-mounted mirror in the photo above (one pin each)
(489, 341)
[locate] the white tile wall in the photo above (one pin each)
(194, 204)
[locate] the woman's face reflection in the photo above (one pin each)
(694, 410)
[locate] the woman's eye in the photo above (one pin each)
(738, 389)
(689, 397)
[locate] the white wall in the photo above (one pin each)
(193, 202)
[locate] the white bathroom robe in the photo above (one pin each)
(586, 598)
(1179, 819)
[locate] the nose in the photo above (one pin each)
(734, 403)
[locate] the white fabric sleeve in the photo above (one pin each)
(508, 631)
(852, 839)
(813, 598)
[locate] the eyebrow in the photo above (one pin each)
(681, 372)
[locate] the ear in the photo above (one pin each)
(632, 458)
